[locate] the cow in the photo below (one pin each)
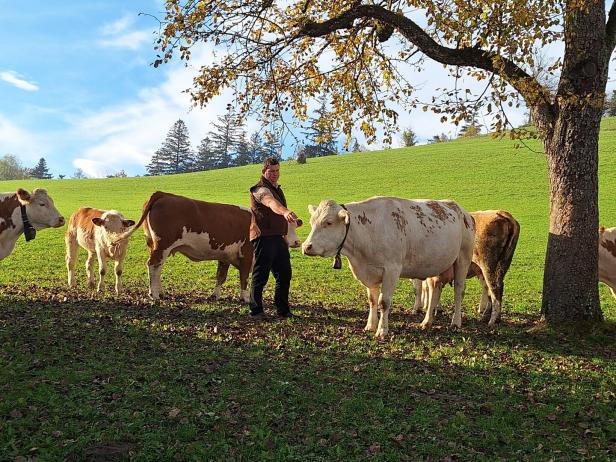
(95, 230)
(386, 238)
(22, 212)
(607, 258)
(201, 231)
(496, 238)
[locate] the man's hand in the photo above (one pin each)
(290, 217)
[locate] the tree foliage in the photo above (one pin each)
(12, 169)
(175, 155)
(321, 138)
(40, 170)
(408, 137)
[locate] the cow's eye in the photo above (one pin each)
(43, 204)
(328, 223)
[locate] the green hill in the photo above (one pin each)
(480, 173)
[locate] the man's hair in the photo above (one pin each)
(267, 163)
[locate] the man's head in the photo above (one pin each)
(271, 170)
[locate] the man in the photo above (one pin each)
(267, 230)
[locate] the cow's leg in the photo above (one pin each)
(496, 295)
(373, 302)
(390, 279)
(102, 269)
(460, 269)
(419, 295)
(432, 289)
(90, 269)
(72, 249)
(155, 264)
(221, 277)
(485, 305)
(245, 269)
(118, 267)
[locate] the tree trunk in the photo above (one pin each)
(570, 282)
(570, 287)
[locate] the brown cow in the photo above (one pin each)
(496, 238)
(95, 230)
(200, 231)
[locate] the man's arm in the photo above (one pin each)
(277, 207)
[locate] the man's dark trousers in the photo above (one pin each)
(271, 254)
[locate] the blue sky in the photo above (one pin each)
(77, 87)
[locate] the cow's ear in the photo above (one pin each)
(97, 221)
(23, 196)
(311, 209)
(128, 223)
(345, 216)
(298, 222)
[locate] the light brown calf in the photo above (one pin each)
(95, 231)
(496, 238)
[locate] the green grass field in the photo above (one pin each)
(93, 377)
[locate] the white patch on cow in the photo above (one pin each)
(198, 246)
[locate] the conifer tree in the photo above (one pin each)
(41, 171)
(321, 140)
(175, 154)
(225, 137)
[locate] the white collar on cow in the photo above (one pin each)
(29, 231)
(337, 262)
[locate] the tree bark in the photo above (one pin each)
(570, 282)
(570, 287)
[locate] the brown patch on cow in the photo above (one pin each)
(363, 219)
(170, 214)
(438, 210)
(610, 246)
(400, 219)
(82, 219)
(419, 213)
(468, 225)
(7, 207)
(453, 206)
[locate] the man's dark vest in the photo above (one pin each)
(268, 222)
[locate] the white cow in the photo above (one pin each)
(386, 238)
(607, 258)
(37, 208)
(95, 231)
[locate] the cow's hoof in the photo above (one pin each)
(455, 325)
(381, 334)
(426, 325)
(370, 328)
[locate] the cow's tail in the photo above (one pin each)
(512, 241)
(146, 210)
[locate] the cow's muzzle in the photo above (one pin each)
(59, 223)
(308, 250)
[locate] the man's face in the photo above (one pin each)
(272, 174)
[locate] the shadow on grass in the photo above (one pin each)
(90, 379)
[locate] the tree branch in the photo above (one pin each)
(530, 89)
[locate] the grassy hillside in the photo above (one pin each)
(480, 174)
(94, 377)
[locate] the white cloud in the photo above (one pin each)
(12, 78)
(118, 34)
(15, 140)
(125, 136)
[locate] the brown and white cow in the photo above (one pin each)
(96, 231)
(607, 258)
(496, 238)
(39, 210)
(200, 231)
(386, 238)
